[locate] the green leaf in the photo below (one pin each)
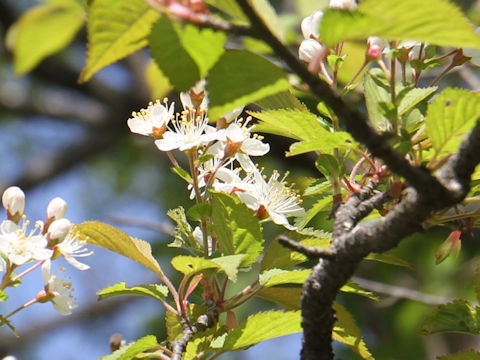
(189, 265)
(3, 295)
(229, 7)
(292, 123)
(289, 277)
(330, 166)
(43, 31)
(201, 343)
(129, 351)
(237, 228)
(282, 100)
(354, 288)
(262, 326)
(155, 291)
(184, 53)
(173, 324)
(377, 92)
(325, 143)
(115, 29)
(389, 259)
(108, 237)
(182, 173)
(401, 20)
(347, 332)
(183, 234)
(239, 78)
(199, 211)
(413, 97)
(323, 204)
(157, 82)
(457, 316)
(463, 355)
(279, 257)
(287, 297)
(450, 116)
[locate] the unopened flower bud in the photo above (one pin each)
(59, 229)
(451, 245)
(343, 4)
(56, 209)
(375, 47)
(311, 24)
(13, 201)
(116, 341)
(308, 49)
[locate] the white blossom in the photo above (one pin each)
(56, 209)
(13, 200)
(272, 198)
(310, 25)
(20, 247)
(59, 229)
(308, 49)
(71, 247)
(59, 291)
(152, 121)
(196, 98)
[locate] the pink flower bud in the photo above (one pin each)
(59, 229)
(13, 200)
(451, 245)
(375, 47)
(56, 209)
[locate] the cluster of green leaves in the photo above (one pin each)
(427, 131)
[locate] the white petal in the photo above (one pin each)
(254, 147)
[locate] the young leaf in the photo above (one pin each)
(354, 288)
(173, 324)
(189, 265)
(389, 259)
(282, 100)
(377, 91)
(184, 53)
(323, 204)
(156, 291)
(115, 29)
(286, 297)
(325, 143)
(129, 351)
(43, 31)
(269, 17)
(108, 237)
(292, 123)
(238, 230)
(239, 78)
(413, 97)
(289, 277)
(262, 326)
(3, 295)
(463, 355)
(401, 20)
(457, 316)
(450, 116)
(201, 343)
(199, 211)
(279, 257)
(347, 332)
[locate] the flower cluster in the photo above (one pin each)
(219, 156)
(21, 244)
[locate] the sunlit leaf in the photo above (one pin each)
(434, 21)
(189, 265)
(377, 92)
(354, 288)
(183, 234)
(347, 332)
(237, 228)
(450, 116)
(129, 351)
(42, 31)
(3, 295)
(156, 291)
(157, 82)
(115, 29)
(283, 100)
(325, 143)
(108, 237)
(262, 326)
(184, 53)
(286, 297)
(239, 78)
(389, 259)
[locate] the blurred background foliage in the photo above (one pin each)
(62, 138)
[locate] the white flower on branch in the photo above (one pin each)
(72, 247)
(311, 24)
(13, 200)
(57, 291)
(19, 246)
(153, 120)
(56, 209)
